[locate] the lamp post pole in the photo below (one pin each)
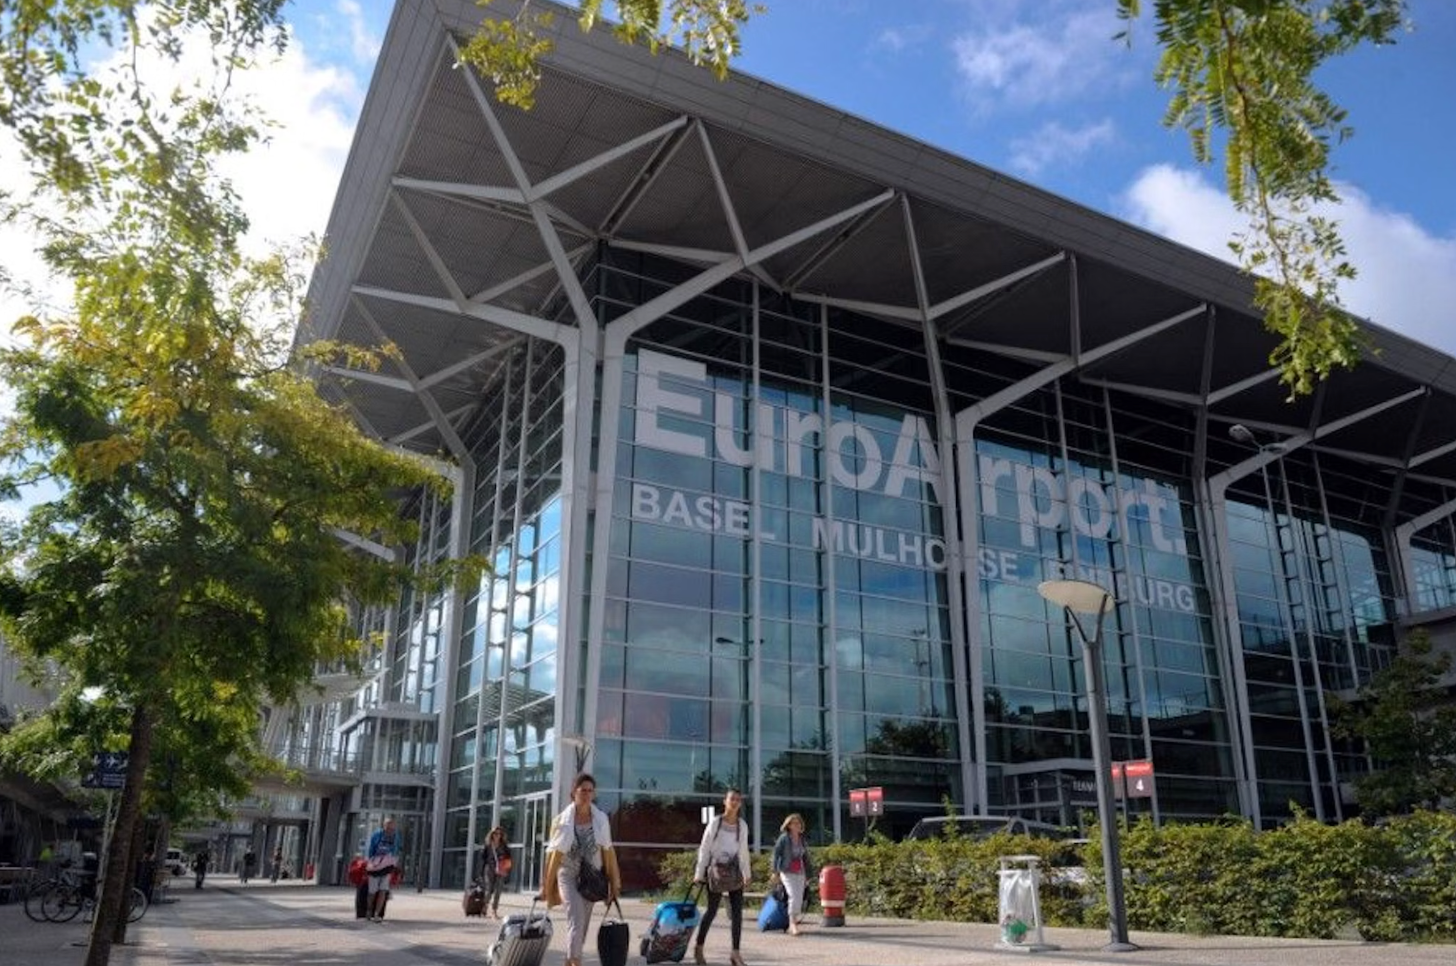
(1080, 596)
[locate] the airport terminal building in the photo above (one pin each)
(772, 420)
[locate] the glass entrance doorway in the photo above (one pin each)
(535, 829)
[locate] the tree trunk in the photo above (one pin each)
(114, 894)
(134, 853)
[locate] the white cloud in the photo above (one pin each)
(899, 39)
(1022, 64)
(1407, 276)
(364, 42)
(1053, 143)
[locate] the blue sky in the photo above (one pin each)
(1036, 89)
(1040, 90)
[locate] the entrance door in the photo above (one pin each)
(535, 829)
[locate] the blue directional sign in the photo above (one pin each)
(108, 770)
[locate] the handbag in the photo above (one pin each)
(379, 864)
(725, 877)
(591, 882)
(503, 866)
(614, 938)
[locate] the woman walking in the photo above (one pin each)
(791, 865)
(723, 863)
(580, 834)
(495, 868)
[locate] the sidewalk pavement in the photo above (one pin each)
(227, 924)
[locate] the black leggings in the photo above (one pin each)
(735, 916)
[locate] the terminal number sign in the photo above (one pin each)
(1133, 779)
(865, 802)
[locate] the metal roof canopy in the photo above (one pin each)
(433, 247)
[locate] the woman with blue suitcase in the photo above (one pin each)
(723, 865)
(791, 866)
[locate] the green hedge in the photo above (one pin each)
(1392, 882)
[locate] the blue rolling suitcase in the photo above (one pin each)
(774, 916)
(671, 931)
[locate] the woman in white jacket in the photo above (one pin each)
(725, 843)
(580, 834)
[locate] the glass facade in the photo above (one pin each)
(797, 587)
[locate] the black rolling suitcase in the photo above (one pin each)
(522, 940)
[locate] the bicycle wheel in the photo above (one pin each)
(61, 903)
(138, 906)
(33, 898)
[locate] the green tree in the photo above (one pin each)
(1242, 77)
(1407, 720)
(189, 568)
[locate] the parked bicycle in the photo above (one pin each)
(60, 899)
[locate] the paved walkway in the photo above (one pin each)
(262, 924)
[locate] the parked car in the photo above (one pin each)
(175, 862)
(985, 826)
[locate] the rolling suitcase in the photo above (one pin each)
(672, 928)
(473, 902)
(775, 912)
(522, 940)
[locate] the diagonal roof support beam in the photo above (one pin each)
(997, 400)
(576, 172)
(1267, 455)
(529, 275)
(364, 375)
(460, 189)
(439, 376)
(656, 308)
(1233, 389)
(1005, 281)
(457, 294)
(506, 318)
(442, 422)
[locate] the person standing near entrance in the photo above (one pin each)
(381, 860)
(580, 834)
(199, 867)
(277, 861)
(723, 864)
(249, 860)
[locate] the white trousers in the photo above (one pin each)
(794, 886)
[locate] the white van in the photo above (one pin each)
(175, 862)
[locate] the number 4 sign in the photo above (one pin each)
(1133, 779)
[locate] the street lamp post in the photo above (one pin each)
(1074, 597)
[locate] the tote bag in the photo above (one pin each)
(614, 938)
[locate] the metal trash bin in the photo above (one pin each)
(1019, 911)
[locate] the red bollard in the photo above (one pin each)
(831, 894)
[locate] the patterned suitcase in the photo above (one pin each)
(671, 931)
(522, 940)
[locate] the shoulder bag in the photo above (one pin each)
(591, 882)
